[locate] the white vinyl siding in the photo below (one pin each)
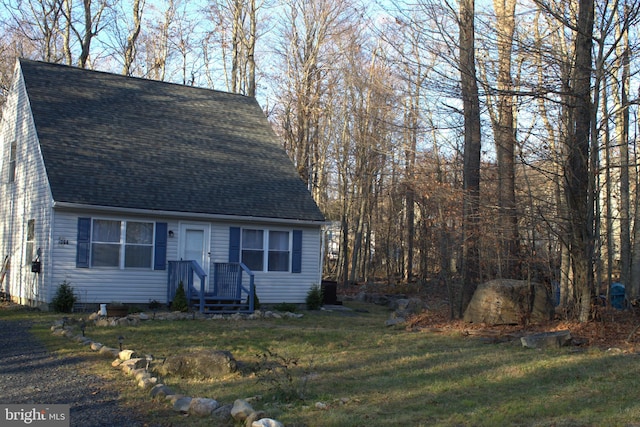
(25, 196)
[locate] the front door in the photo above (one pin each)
(194, 244)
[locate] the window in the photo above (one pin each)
(31, 237)
(105, 243)
(253, 249)
(261, 245)
(138, 250)
(127, 244)
(121, 244)
(12, 162)
(278, 251)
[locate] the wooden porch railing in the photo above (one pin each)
(230, 289)
(183, 271)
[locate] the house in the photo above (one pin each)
(106, 180)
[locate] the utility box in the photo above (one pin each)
(617, 295)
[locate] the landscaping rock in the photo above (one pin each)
(241, 410)
(109, 351)
(223, 413)
(128, 366)
(147, 382)
(267, 422)
(161, 390)
(202, 407)
(509, 302)
(395, 321)
(200, 364)
(547, 339)
(127, 354)
(182, 404)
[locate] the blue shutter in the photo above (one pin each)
(296, 252)
(160, 253)
(234, 244)
(83, 247)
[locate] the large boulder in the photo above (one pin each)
(509, 302)
(199, 364)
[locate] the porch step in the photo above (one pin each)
(218, 306)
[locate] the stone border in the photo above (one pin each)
(136, 365)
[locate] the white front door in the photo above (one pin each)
(194, 244)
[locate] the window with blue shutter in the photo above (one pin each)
(108, 242)
(83, 248)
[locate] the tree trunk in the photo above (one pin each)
(472, 145)
(576, 175)
(130, 48)
(505, 139)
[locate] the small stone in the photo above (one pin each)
(241, 410)
(173, 397)
(267, 422)
(202, 407)
(254, 416)
(128, 366)
(147, 382)
(127, 354)
(223, 413)
(182, 404)
(140, 374)
(107, 350)
(161, 390)
(395, 321)
(321, 405)
(143, 316)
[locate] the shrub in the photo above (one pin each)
(284, 376)
(314, 298)
(256, 301)
(285, 307)
(64, 298)
(179, 302)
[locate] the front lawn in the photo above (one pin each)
(363, 373)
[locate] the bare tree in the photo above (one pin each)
(505, 138)
(472, 147)
(90, 25)
(130, 49)
(37, 22)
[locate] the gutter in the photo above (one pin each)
(185, 215)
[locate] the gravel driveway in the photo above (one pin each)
(31, 375)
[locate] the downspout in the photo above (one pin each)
(47, 269)
(323, 242)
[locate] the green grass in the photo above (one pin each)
(372, 375)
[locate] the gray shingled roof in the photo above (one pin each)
(111, 140)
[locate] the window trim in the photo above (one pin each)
(84, 255)
(266, 250)
(13, 154)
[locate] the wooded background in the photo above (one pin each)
(448, 141)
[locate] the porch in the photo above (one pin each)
(230, 289)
